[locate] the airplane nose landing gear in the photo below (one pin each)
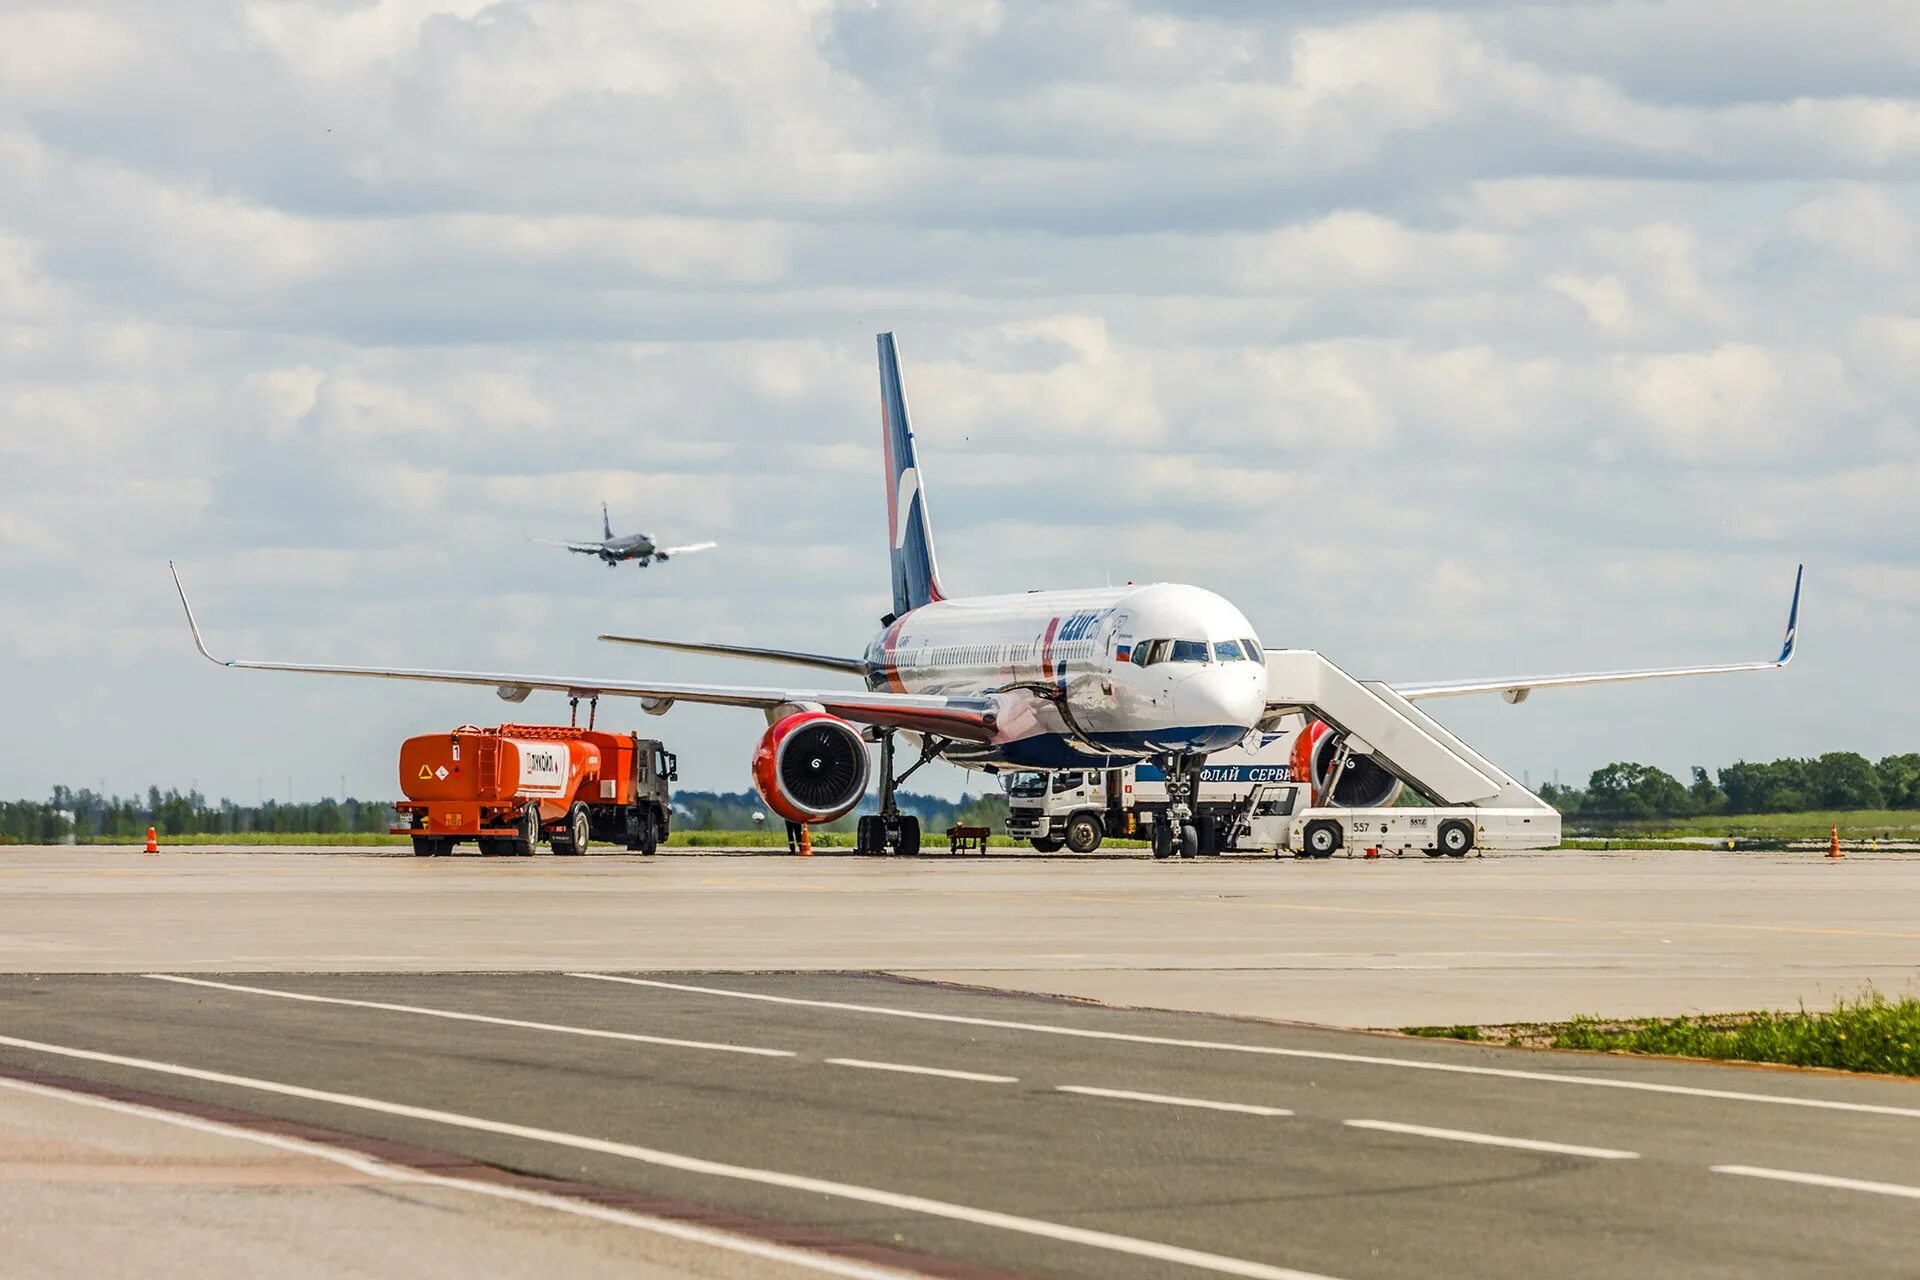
(1179, 834)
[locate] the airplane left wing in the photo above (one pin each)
(969, 719)
(589, 548)
(1516, 688)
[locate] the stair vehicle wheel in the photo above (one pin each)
(907, 841)
(1456, 837)
(1321, 838)
(524, 842)
(1045, 845)
(572, 840)
(1083, 833)
(1189, 841)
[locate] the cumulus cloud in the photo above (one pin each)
(1455, 339)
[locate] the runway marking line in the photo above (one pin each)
(559, 1204)
(1196, 1258)
(944, 1072)
(1320, 1055)
(455, 1016)
(1492, 1140)
(1820, 1180)
(1173, 1100)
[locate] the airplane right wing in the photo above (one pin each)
(1516, 688)
(691, 547)
(969, 719)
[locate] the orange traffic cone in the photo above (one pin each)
(806, 841)
(1833, 850)
(153, 843)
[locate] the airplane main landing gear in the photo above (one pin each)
(890, 831)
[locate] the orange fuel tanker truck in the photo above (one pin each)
(512, 786)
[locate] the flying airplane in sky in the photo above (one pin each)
(1043, 680)
(637, 547)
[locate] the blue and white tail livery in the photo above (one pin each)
(916, 574)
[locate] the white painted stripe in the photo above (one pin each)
(1493, 1140)
(1092, 1239)
(452, 1015)
(924, 1071)
(1321, 1055)
(1172, 1100)
(1821, 1180)
(784, 1254)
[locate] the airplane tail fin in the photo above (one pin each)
(916, 574)
(606, 522)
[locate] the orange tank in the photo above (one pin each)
(488, 784)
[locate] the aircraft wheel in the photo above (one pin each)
(907, 842)
(1189, 841)
(1456, 837)
(1162, 840)
(1321, 838)
(1084, 833)
(867, 835)
(1209, 829)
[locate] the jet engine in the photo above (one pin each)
(1363, 785)
(811, 767)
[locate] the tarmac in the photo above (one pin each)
(1345, 942)
(360, 1064)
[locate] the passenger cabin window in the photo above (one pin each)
(1189, 651)
(1226, 651)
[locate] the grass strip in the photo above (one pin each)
(1869, 1032)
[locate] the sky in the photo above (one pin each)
(1452, 340)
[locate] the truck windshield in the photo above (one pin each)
(1027, 784)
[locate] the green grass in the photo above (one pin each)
(1854, 824)
(775, 838)
(1869, 1032)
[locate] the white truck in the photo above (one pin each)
(1273, 795)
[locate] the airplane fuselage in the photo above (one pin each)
(1084, 678)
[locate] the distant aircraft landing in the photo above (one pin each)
(638, 547)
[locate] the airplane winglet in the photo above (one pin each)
(199, 642)
(1793, 621)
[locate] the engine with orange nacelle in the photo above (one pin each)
(811, 766)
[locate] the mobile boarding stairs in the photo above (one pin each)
(1474, 802)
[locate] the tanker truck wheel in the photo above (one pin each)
(524, 842)
(1083, 833)
(579, 829)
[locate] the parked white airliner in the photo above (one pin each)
(1048, 679)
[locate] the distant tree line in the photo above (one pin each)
(87, 815)
(1836, 780)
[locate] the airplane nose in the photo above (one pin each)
(1232, 694)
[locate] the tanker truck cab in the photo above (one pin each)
(1074, 809)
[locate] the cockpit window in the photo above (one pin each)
(1253, 650)
(1189, 651)
(1226, 651)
